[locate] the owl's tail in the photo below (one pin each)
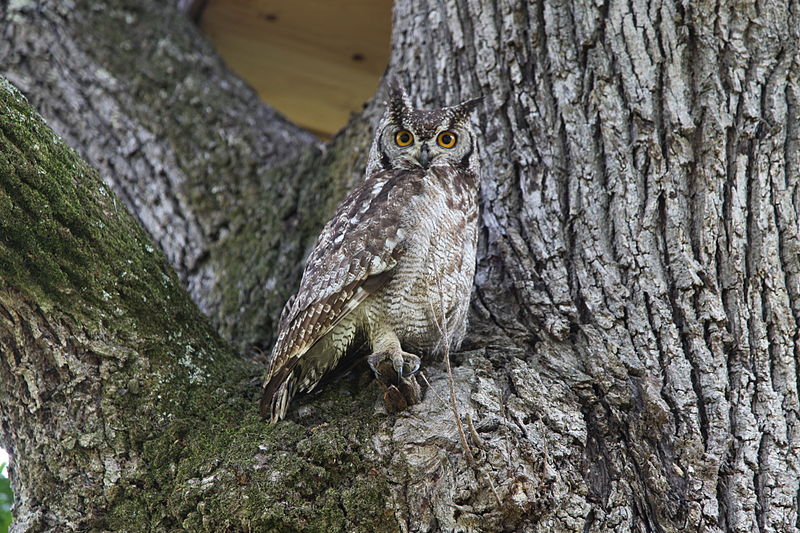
(299, 373)
(277, 393)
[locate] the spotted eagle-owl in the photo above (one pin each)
(398, 252)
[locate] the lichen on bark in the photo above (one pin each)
(633, 360)
(109, 367)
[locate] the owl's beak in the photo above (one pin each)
(424, 156)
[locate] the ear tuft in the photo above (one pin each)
(397, 101)
(461, 112)
(470, 105)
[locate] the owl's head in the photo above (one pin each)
(409, 138)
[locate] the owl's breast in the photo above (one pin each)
(433, 278)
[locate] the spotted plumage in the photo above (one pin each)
(397, 256)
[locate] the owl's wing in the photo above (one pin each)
(354, 257)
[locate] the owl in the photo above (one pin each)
(395, 264)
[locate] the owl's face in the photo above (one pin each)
(412, 138)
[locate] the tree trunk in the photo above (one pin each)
(631, 363)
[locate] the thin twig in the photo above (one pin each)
(452, 385)
(474, 433)
(428, 383)
(446, 339)
(494, 490)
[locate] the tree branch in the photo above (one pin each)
(209, 171)
(84, 299)
(634, 335)
(114, 385)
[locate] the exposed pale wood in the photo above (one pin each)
(315, 61)
(636, 302)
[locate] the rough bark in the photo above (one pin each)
(84, 297)
(640, 205)
(221, 182)
(121, 408)
(634, 341)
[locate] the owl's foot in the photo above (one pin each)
(395, 370)
(404, 364)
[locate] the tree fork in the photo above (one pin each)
(224, 197)
(121, 407)
(635, 326)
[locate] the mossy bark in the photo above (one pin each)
(633, 346)
(121, 407)
(231, 192)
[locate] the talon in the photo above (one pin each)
(394, 370)
(405, 364)
(375, 361)
(384, 365)
(412, 362)
(397, 363)
(393, 366)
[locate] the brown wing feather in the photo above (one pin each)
(353, 257)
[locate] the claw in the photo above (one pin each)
(395, 370)
(404, 364)
(397, 363)
(411, 361)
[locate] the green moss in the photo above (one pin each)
(298, 475)
(68, 244)
(63, 232)
(185, 405)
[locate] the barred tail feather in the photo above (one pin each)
(278, 392)
(303, 371)
(285, 384)
(275, 400)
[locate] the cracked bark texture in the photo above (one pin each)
(632, 359)
(216, 178)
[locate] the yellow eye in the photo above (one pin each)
(403, 138)
(446, 139)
